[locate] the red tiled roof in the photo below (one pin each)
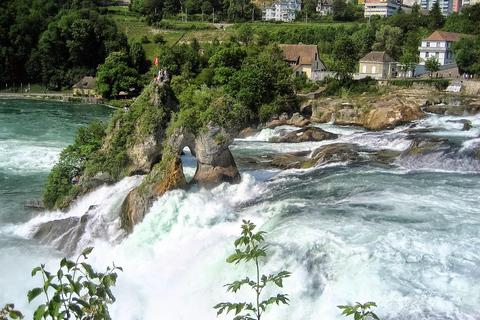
(377, 56)
(301, 54)
(445, 36)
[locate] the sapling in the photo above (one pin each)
(249, 243)
(75, 292)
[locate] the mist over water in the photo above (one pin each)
(406, 236)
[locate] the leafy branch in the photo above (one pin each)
(76, 291)
(360, 311)
(252, 251)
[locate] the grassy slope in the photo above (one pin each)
(135, 27)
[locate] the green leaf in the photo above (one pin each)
(32, 294)
(82, 302)
(89, 270)
(92, 289)
(39, 312)
(34, 271)
(374, 316)
(14, 314)
(86, 252)
(239, 308)
(76, 309)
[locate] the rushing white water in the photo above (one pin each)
(405, 236)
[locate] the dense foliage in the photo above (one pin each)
(72, 163)
(54, 42)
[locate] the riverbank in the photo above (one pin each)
(65, 97)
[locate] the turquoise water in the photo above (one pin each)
(406, 236)
(32, 134)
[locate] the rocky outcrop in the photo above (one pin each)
(372, 111)
(215, 164)
(304, 135)
(166, 175)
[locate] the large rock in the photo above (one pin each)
(372, 111)
(306, 134)
(215, 163)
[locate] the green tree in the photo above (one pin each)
(344, 59)
(467, 54)
(245, 33)
(263, 79)
(116, 75)
(250, 242)
(407, 63)
(435, 17)
(432, 65)
(137, 56)
(388, 39)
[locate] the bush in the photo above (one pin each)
(144, 39)
(158, 39)
(73, 160)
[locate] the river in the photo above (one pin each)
(406, 235)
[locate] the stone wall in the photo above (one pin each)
(471, 87)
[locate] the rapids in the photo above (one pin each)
(406, 236)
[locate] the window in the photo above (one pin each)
(364, 70)
(374, 69)
(427, 54)
(428, 44)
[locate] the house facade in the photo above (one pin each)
(438, 45)
(378, 65)
(324, 7)
(284, 10)
(85, 87)
(445, 5)
(383, 8)
(303, 59)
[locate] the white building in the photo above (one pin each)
(445, 5)
(438, 45)
(383, 8)
(282, 11)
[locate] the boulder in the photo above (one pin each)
(305, 134)
(337, 152)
